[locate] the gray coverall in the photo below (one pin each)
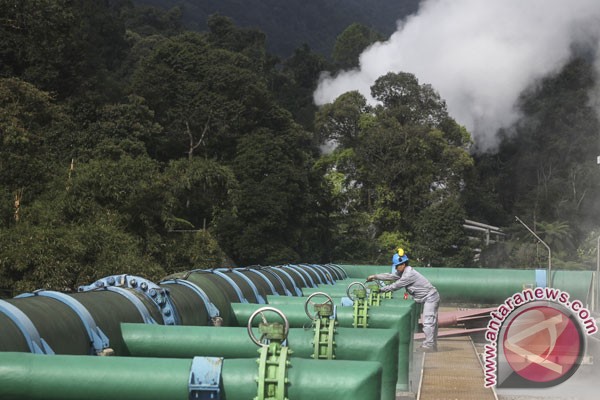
(423, 292)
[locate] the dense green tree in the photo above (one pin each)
(119, 129)
(407, 153)
(66, 256)
(351, 43)
(296, 82)
(340, 122)
(272, 203)
(32, 130)
(225, 35)
(105, 186)
(205, 98)
(61, 46)
(440, 240)
(558, 236)
(193, 249)
(199, 189)
(150, 21)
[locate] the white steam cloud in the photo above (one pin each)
(479, 55)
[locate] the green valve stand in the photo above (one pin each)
(324, 321)
(273, 359)
(374, 295)
(361, 307)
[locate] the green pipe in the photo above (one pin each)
(25, 376)
(339, 290)
(337, 300)
(309, 379)
(32, 376)
(495, 286)
(487, 286)
(233, 342)
(401, 319)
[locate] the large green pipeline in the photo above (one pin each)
(401, 319)
(233, 342)
(25, 376)
(336, 298)
(339, 290)
(489, 286)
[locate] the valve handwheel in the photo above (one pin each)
(261, 311)
(308, 301)
(348, 291)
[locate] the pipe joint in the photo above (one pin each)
(156, 294)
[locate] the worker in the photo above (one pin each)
(422, 291)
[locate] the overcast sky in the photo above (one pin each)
(479, 55)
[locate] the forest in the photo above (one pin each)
(132, 144)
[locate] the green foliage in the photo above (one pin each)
(351, 43)
(30, 136)
(340, 122)
(119, 129)
(588, 250)
(148, 21)
(224, 34)
(272, 200)
(440, 240)
(296, 82)
(353, 240)
(59, 45)
(205, 98)
(388, 243)
(187, 250)
(199, 189)
(407, 156)
(64, 257)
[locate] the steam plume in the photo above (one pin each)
(479, 55)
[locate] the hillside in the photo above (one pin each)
(291, 23)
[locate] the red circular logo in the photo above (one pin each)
(543, 344)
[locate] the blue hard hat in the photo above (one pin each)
(399, 259)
